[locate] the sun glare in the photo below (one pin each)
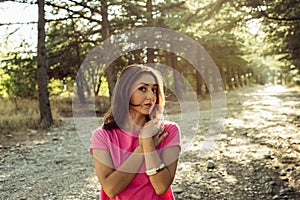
(10, 13)
(254, 27)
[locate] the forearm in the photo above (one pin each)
(163, 179)
(116, 181)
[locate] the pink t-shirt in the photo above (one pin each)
(120, 144)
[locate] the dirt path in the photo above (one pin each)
(257, 156)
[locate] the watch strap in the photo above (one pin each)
(155, 170)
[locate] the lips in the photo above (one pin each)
(149, 105)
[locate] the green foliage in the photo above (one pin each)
(4, 77)
(75, 27)
(19, 75)
(281, 23)
(66, 48)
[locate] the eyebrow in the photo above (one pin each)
(148, 84)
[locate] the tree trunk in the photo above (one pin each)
(208, 83)
(110, 72)
(199, 83)
(174, 63)
(105, 23)
(150, 51)
(80, 87)
(231, 77)
(199, 80)
(79, 82)
(111, 77)
(225, 76)
(97, 90)
(46, 119)
(236, 78)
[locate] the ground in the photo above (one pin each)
(256, 156)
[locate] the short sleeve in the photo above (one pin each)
(99, 140)
(173, 138)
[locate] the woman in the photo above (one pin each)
(135, 153)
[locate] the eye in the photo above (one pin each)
(154, 90)
(143, 89)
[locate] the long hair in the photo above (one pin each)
(120, 101)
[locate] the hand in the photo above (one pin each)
(151, 132)
(151, 128)
(158, 138)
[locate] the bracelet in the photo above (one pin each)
(154, 170)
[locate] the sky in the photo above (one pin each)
(15, 13)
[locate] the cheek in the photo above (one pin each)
(135, 97)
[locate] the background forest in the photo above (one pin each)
(251, 42)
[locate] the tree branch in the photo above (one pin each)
(19, 1)
(72, 12)
(17, 23)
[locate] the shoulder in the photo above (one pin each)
(105, 131)
(173, 137)
(99, 131)
(173, 130)
(102, 133)
(172, 127)
(101, 139)
(98, 134)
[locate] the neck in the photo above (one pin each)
(135, 122)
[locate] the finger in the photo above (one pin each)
(162, 128)
(163, 136)
(158, 122)
(155, 121)
(156, 136)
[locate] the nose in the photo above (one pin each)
(150, 95)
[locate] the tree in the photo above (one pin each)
(281, 22)
(46, 119)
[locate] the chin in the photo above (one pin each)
(146, 113)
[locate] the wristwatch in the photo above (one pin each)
(154, 170)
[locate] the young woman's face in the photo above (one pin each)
(144, 95)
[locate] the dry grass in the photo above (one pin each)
(21, 114)
(63, 105)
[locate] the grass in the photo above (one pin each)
(19, 114)
(63, 105)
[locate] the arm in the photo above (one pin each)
(163, 179)
(113, 181)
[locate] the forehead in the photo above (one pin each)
(145, 79)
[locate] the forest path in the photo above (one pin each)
(257, 155)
